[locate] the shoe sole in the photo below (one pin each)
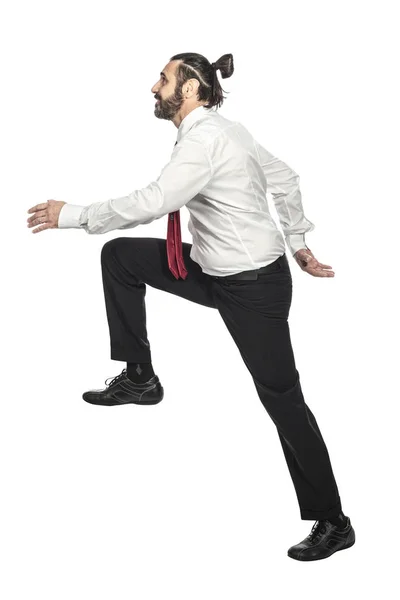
(110, 403)
(323, 557)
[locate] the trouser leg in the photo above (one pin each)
(128, 265)
(256, 313)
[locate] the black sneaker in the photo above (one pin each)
(324, 539)
(122, 390)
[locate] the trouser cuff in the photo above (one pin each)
(124, 357)
(314, 515)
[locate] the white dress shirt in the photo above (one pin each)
(221, 174)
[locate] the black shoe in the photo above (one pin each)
(122, 390)
(324, 539)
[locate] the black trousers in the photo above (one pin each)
(256, 315)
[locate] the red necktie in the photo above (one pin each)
(174, 245)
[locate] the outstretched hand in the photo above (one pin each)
(45, 215)
(307, 262)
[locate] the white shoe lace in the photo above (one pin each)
(122, 375)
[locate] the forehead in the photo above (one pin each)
(169, 69)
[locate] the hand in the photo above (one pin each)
(307, 261)
(46, 214)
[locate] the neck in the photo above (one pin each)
(182, 113)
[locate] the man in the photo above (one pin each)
(237, 264)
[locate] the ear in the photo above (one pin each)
(192, 85)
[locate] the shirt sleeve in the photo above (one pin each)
(187, 173)
(283, 184)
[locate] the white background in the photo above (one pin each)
(192, 498)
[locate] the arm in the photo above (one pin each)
(188, 171)
(283, 184)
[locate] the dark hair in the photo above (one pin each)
(196, 66)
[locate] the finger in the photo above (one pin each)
(40, 213)
(325, 266)
(38, 207)
(37, 221)
(320, 273)
(41, 228)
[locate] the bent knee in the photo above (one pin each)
(112, 246)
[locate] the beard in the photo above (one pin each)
(168, 108)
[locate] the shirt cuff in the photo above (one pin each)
(296, 241)
(70, 216)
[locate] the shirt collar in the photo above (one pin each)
(187, 122)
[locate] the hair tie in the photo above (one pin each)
(214, 78)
